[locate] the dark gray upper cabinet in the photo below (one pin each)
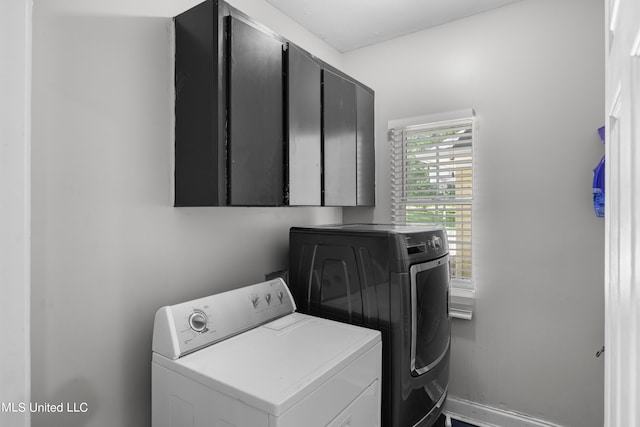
(200, 171)
(365, 149)
(255, 114)
(339, 140)
(304, 111)
(260, 125)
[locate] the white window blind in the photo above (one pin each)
(432, 183)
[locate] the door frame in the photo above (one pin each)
(622, 210)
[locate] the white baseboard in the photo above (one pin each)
(488, 416)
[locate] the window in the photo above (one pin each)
(432, 181)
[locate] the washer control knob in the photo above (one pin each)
(255, 300)
(280, 296)
(198, 321)
(267, 298)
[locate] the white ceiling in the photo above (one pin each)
(343, 24)
(350, 24)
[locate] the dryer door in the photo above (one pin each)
(430, 326)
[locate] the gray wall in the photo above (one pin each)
(15, 208)
(108, 247)
(534, 74)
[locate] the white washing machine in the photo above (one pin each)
(245, 358)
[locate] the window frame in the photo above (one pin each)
(462, 290)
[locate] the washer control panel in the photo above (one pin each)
(183, 328)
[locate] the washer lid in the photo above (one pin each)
(274, 366)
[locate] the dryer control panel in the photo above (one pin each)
(183, 328)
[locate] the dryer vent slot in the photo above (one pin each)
(416, 249)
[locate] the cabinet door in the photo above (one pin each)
(305, 115)
(365, 148)
(199, 107)
(339, 140)
(255, 113)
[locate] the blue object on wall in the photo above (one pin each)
(598, 188)
(601, 133)
(598, 183)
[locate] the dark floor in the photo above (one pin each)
(454, 423)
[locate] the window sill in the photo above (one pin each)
(461, 301)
